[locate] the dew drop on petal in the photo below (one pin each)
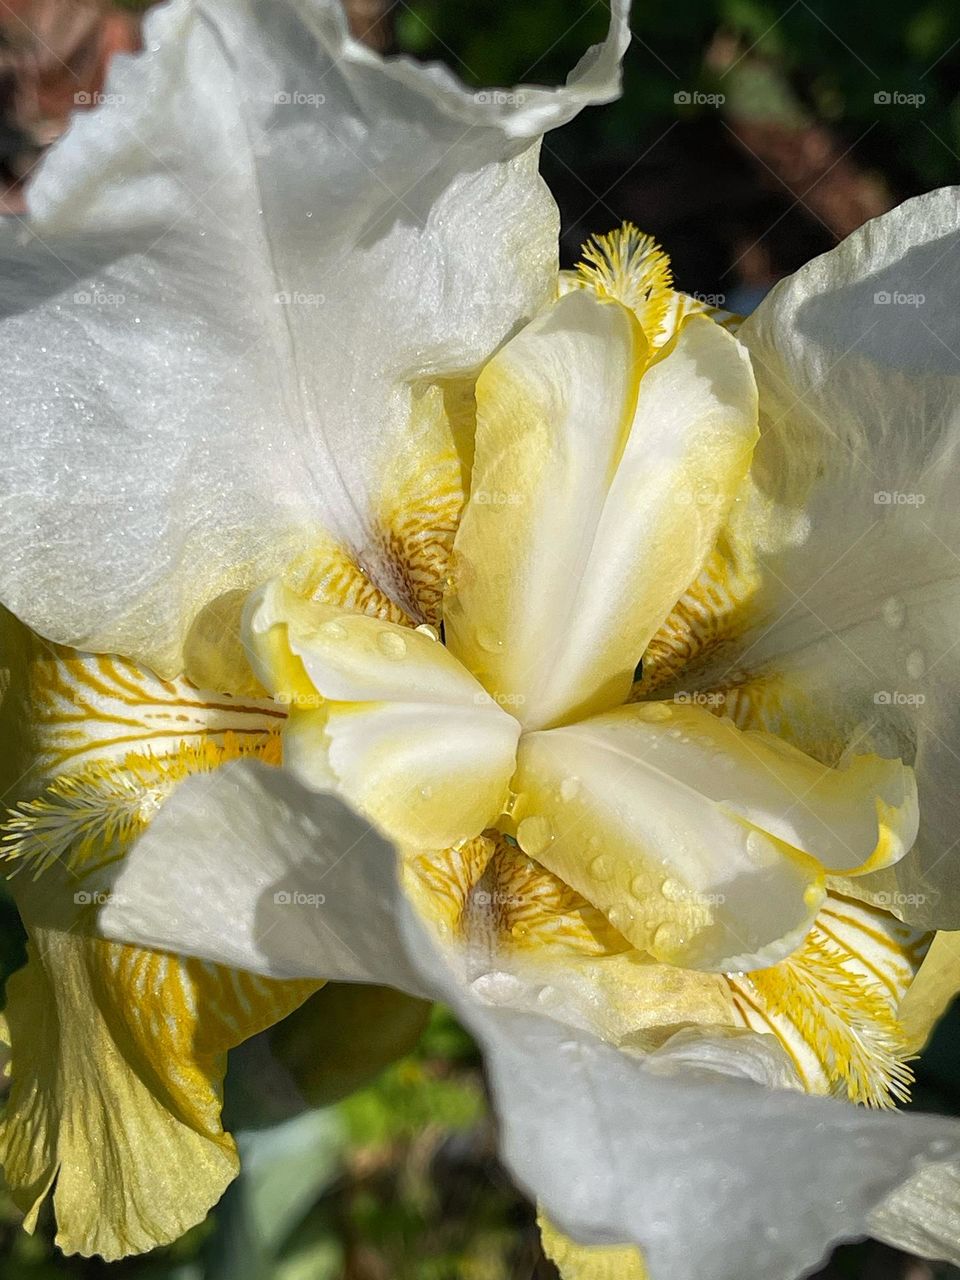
(672, 890)
(916, 664)
(656, 711)
(893, 612)
(391, 645)
(569, 788)
(489, 640)
(534, 834)
(425, 629)
(600, 868)
(332, 631)
(668, 938)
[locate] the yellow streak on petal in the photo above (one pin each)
(834, 1003)
(118, 1057)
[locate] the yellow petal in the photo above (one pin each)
(932, 991)
(590, 1262)
(118, 1056)
(387, 716)
(836, 1004)
(705, 846)
(600, 479)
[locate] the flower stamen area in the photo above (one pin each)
(93, 815)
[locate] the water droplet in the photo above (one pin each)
(497, 987)
(601, 868)
(672, 890)
(489, 640)
(640, 887)
(676, 733)
(916, 664)
(893, 612)
(425, 629)
(654, 711)
(534, 834)
(426, 792)
(668, 939)
(569, 789)
(548, 996)
(391, 644)
(332, 631)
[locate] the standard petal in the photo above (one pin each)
(831, 616)
(385, 715)
(232, 277)
(704, 845)
(117, 1063)
(596, 496)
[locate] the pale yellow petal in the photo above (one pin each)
(601, 476)
(589, 1262)
(118, 1056)
(387, 716)
(705, 846)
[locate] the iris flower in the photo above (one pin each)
(387, 606)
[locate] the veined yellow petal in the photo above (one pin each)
(118, 1056)
(93, 745)
(703, 845)
(601, 477)
(386, 715)
(836, 1004)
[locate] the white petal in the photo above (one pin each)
(846, 553)
(233, 273)
(672, 1153)
(248, 867)
(598, 486)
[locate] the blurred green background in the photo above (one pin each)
(750, 137)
